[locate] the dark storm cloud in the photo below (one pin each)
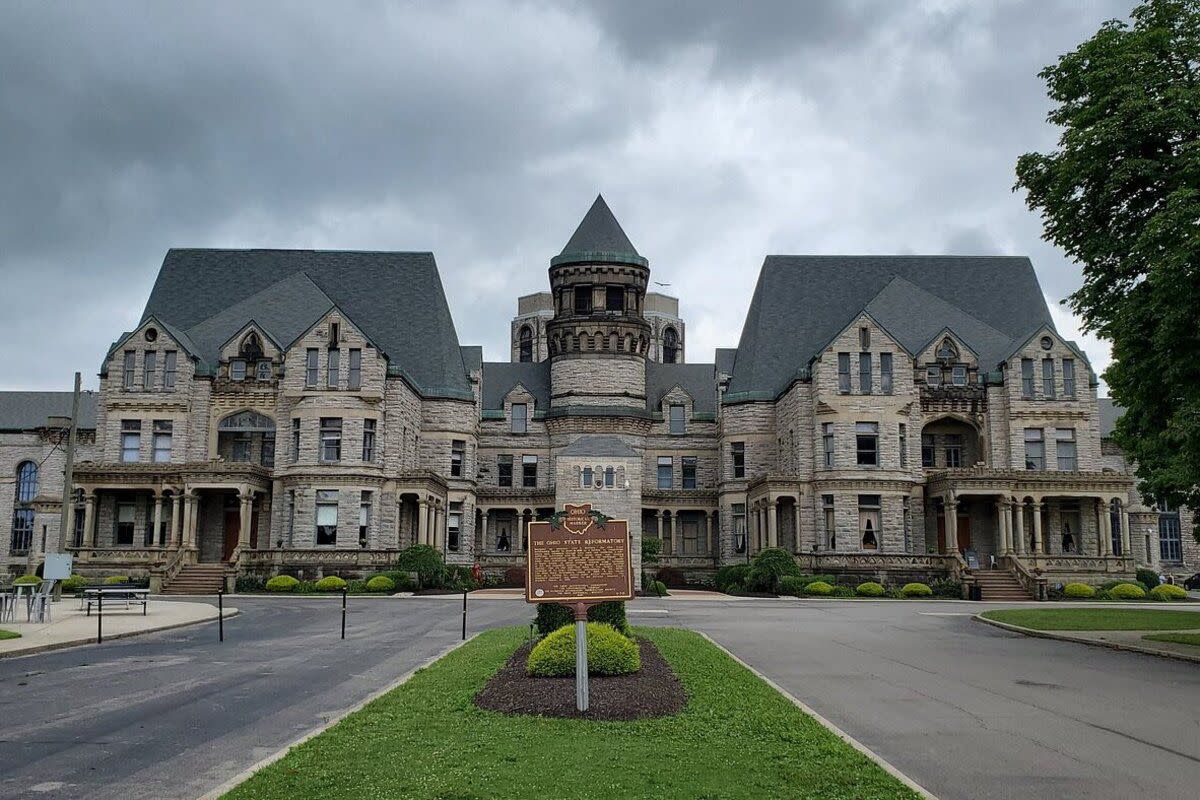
(718, 132)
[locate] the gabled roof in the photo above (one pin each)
(698, 380)
(25, 411)
(500, 378)
(1110, 412)
(599, 232)
(801, 302)
(395, 298)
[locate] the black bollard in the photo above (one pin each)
(464, 615)
(220, 615)
(99, 617)
(343, 613)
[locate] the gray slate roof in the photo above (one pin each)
(698, 380)
(725, 358)
(599, 232)
(802, 302)
(1110, 412)
(395, 298)
(499, 378)
(24, 411)
(600, 446)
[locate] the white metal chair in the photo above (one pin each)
(37, 607)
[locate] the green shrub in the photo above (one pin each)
(768, 567)
(401, 582)
(819, 588)
(459, 578)
(1078, 591)
(552, 616)
(792, 585)
(282, 583)
(869, 589)
(609, 653)
(27, 579)
(732, 577)
(381, 583)
(426, 562)
(1110, 585)
(74, 583)
(947, 588)
(1127, 591)
(330, 583)
(114, 579)
(1168, 591)
(659, 588)
(843, 591)
(916, 590)
(1147, 578)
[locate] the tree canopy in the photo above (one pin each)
(1121, 195)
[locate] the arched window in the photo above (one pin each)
(27, 486)
(947, 351)
(526, 344)
(251, 348)
(27, 481)
(670, 346)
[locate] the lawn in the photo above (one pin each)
(1098, 619)
(8, 634)
(1177, 638)
(736, 738)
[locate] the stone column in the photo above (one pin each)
(192, 518)
(796, 548)
(1038, 548)
(676, 537)
(1125, 532)
(1105, 529)
(708, 531)
(772, 523)
(951, 515)
(66, 536)
(158, 504)
(176, 519)
(439, 532)
(89, 519)
(1019, 525)
(661, 531)
(245, 500)
(422, 521)
(487, 525)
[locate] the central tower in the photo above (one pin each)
(599, 337)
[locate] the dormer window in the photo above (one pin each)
(251, 349)
(947, 351)
(864, 338)
(678, 419)
(237, 370)
(333, 334)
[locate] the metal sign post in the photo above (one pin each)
(582, 691)
(464, 635)
(221, 615)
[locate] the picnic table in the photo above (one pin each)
(127, 594)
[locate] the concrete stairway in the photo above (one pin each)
(999, 585)
(197, 579)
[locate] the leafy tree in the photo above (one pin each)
(1121, 195)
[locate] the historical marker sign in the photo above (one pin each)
(579, 556)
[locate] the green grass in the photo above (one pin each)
(1098, 619)
(8, 634)
(1178, 638)
(736, 739)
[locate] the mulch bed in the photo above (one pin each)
(653, 691)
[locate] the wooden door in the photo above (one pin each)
(964, 533)
(941, 525)
(233, 525)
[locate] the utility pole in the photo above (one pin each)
(68, 492)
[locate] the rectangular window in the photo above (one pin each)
(310, 367)
(933, 375)
(1065, 450)
(354, 376)
(364, 517)
(262, 370)
(504, 474)
(869, 521)
(529, 465)
(241, 448)
(369, 427)
(843, 373)
(331, 438)
(665, 478)
(169, 359)
(903, 445)
(267, 456)
(125, 518)
(334, 336)
(458, 449)
(678, 422)
(1035, 449)
(958, 375)
(1027, 378)
(689, 472)
(454, 527)
(333, 369)
(864, 338)
(162, 440)
(1068, 366)
(295, 440)
(927, 450)
(327, 514)
(583, 299)
(237, 370)
(828, 521)
(866, 435)
(149, 367)
(954, 450)
(614, 298)
(737, 450)
(131, 440)
(738, 518)
(885, 373)
(609, 477)
(520, 422)
(586, 478)
(1048, 378)
(130, 355)
(827, 443)
(1170, 540)
(864, 373)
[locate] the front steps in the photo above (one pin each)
(999, 585)
(197, 579)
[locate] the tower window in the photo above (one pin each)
(614, 298)
(525, 345)
(670, 346)
(583, 299)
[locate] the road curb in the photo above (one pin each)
(885, 765)
(232, 783)
(1066, 637)
(108, 637)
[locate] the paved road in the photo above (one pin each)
(174, 714)
(968, 710)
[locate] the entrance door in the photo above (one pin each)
(233, 525)
(964, 533)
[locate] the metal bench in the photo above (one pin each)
(128, 595)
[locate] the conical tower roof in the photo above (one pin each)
(599, 237)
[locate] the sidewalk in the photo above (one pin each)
(70, 626)
(1129, 641)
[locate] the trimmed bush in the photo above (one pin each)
(843, 591)
(609, 653)
(768, 567)
(1147, 578)
(1110, 585)
(869, 589)
(552, 616)
(27, 579)
(819, 588)
(1168, 591)
(916, 590)
(731, 578)
(401, 582)
(381, 583)
(947, 588)
(792, 585)
(659, 588)
(426, 562)
(114, 579)
(74, 583)
(1127, 591)
(1078, 591)
(330, 583)
(282, 583)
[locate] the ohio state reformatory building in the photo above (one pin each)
(314, 411)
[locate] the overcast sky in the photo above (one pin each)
(718, 133)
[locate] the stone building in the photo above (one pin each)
(314, 412)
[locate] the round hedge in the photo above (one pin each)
(820, 588)
(282, 583)
(27, 579)
(609, 653)
(330, 583)
(111, 579)
(660, 588)
(74, 583)
(1078, 591)
(381, 583)
(1168, 591)
(869, 589)
(1127, 591)
(916, 590)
